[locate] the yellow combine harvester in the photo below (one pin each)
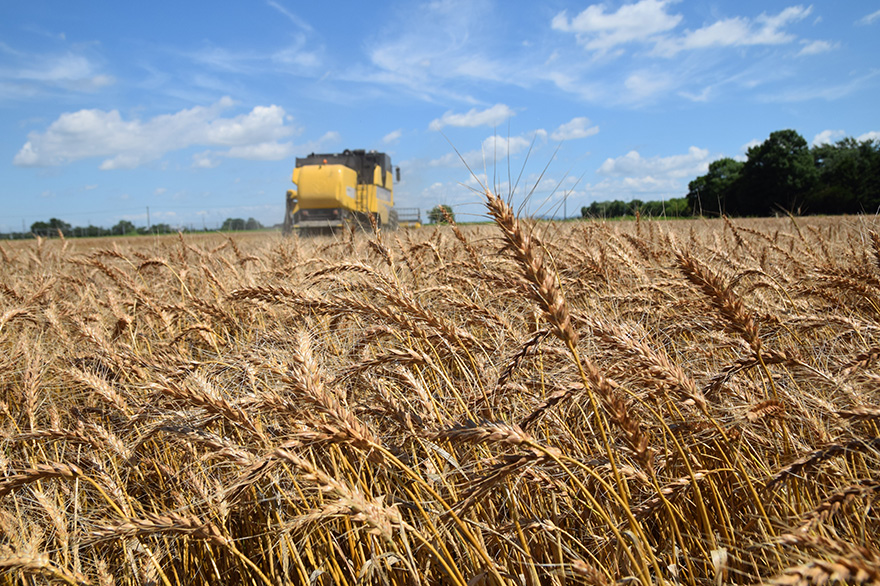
(333, 190)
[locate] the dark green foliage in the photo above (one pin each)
(435, 215)
(778, 175)
(784, 175)
(123, 227)
(707, 193)
(849, 178)
(236, 224)
(50, 228)
(675, 207)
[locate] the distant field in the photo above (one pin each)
(691, 401)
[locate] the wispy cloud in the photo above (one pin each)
(299, 22)
(820, 91)
(28, 74)
(870, 18)
(298, 57)
(429, 45)
(130, 143)
(489, 117)
(817, 47)
(736, 32)
(392, 137)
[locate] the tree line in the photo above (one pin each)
(781, 175)
(674, 208)
(784, 174)
(54, 227)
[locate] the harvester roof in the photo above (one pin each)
(361, 161)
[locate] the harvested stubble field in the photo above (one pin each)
(690, 402)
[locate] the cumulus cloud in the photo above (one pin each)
(653, 178)
(573, 129)
(492, 150)
(637, 168)
(828, 137)
(738, 31)
(873, 135)
(500, 147)
(489, 117)
(598, 30)
(125, 144)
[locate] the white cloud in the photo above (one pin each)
(489, 117)
(299, 22)
(301, 56)
(870, 19)
(493, 149)
(744, 149)
(31, 73)
(435, 42)
(600, 31)
(205, 160)
(642, 85)
(828, 137)
(821, 91)
(816, 47)
(130, 143)
(638, 169)
(738, 31)
(160, 190)
(496, 148)
(654, 178)
(264, 151)
(873, 135)
(392, 137)
(574, 129)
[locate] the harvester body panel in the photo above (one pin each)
(337, 189)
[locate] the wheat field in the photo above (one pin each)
(646, 402)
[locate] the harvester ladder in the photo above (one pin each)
(361, 197)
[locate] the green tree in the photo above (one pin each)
(123, 227)
(233, 224)
(671, 208)
(435, 214)
(779, 173)
(51, 228)
(252, 224)
(709, 193)
(609, 209)
(40, 228)
(849, 178)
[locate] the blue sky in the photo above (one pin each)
(197, 110)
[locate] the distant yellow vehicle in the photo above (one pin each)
(333, 190)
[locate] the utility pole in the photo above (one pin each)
(148, 218)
